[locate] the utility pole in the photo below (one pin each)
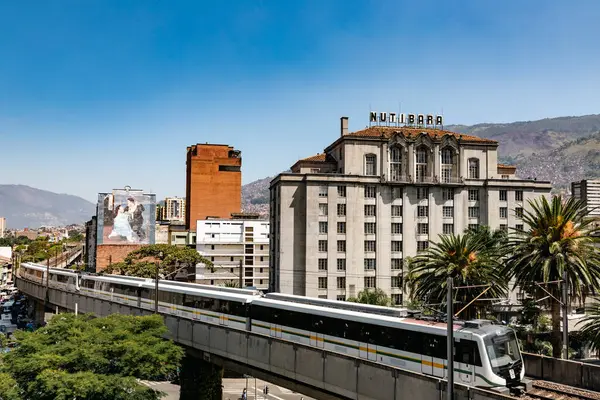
(450, 337)
(156, 288)
(565, 307)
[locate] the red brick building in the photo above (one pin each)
(213, 182)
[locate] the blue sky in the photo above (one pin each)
(96, 95)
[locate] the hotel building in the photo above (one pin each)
(346, 219)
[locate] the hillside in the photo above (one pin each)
(255, 196)
(24, 206)
(527, 137)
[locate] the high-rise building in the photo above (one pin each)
(2, 226)
(346, 219)
(233, 244)
(213, 182)
(173, 209)
(588, 190)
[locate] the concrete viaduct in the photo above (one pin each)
(315, 372)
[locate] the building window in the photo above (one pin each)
(341, 282)
(422, 193)
(396, 228)
(340, 297)
(322, 245)
(396, 299)
(371, 164)
(473, 194)
(395, 164)
(369, 264)
(341, 210)
(341, 264)
(323, 227)
(322, 264)
(322, 296)
(421, 172)
(396, 263)
(369, 282)
(262, 258)
(370, 246)
(503, 195)
(448, 193)
(447, 163)
(503, 212)
(448, 211)
(396, 281)
(369, 192)
(422, 211)
(370, 228)
(422, 229)
(422, 245)
(341, 228)
(396, 211)
(504, 227)
(322, 209)
(369, 210)
(519, 228)
(341, 246)
(473, 227)
(231, 259)
(448, 229)
(519, 212)
(323, 282)
(518, 195)
(341, 191)
(323, 191)
(315, 170)
(473, 212)
(473, 168)
(396, 246)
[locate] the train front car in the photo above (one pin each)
(504, 364)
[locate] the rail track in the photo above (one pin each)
(555, 391)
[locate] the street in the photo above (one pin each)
(232, 390)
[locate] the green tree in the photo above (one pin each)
(75, 236)
(83, 357)
(591, 325)
(471, 259)
(371, 296)
(142, 262)
(560, 238)
(231, 284)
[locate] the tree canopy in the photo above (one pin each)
(83, 357)
(561, 237)
(472, 259)
(142, 262)
(371, 296)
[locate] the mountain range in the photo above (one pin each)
(561, 150)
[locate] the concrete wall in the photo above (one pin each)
(573, 373)
(315, 372)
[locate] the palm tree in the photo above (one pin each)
(591, 327)
(371, 296)
(560, 238)
(470, 259)
(231, 284)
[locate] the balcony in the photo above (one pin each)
(396, 178)
(452, 180)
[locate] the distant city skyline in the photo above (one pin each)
(106, 94)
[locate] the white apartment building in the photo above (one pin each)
(346, 219)
(2, 226)
(174, 209)
(237, 248)
(589, 191)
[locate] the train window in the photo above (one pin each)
(434, 346)
(466, 351)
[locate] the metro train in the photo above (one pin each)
(486, 355)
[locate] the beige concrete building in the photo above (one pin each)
(346, 219)
(232, 244)
(173, 209)
(2, 226)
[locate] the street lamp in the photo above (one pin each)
(160, 255)
(450, 338)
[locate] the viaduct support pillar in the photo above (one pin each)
(200, 380)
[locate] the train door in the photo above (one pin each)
(465, 354)
(275, 324)
(224, 312)
(433, 355)
(367, 348)
(316, 334)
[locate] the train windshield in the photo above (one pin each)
(503, 348)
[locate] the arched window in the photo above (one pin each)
(370, 164)
(421, 172)
(395, 164)
(447, 164)
(473, 168)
